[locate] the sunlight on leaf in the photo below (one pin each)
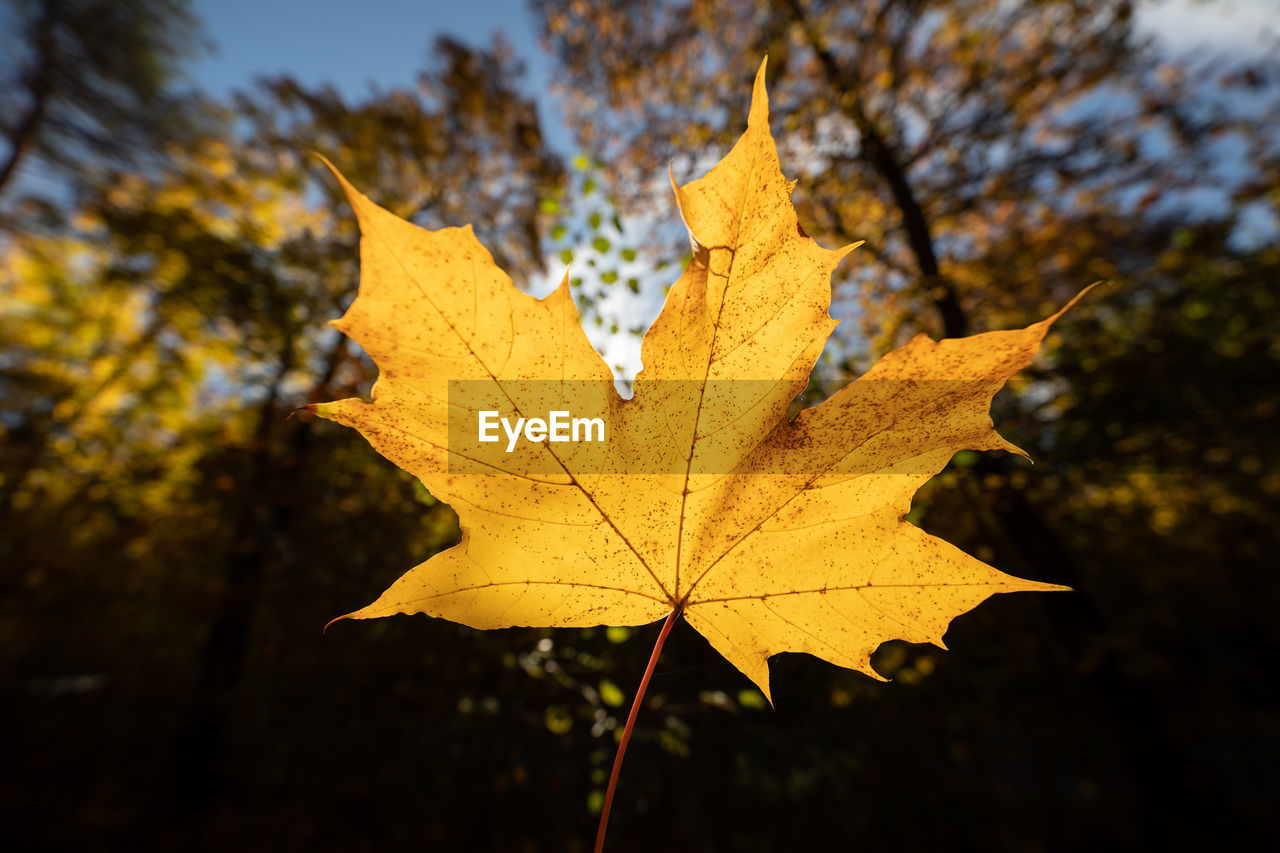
(767, 534)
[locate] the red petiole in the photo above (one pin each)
(626, 732)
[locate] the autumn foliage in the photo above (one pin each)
(812, 555)
(172, 539)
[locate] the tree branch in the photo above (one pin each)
(876, 151)
(41, 91)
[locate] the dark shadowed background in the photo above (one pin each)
(171, 541)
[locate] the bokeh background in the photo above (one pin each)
(171, 541)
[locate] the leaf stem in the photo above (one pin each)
(626, 732)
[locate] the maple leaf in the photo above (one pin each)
(768, 534)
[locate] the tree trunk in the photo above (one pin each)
(878, 154)
(202, 741)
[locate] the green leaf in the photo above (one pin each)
(557, 719)
(611, 694)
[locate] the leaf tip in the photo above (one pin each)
(759, 674)
(844, 251)
(675, 188)
(563, 295)
(320, 410)
(325, 629)
(332, 168)
(354, 197)
(1002, 443)
(759, 98)
(1024, 585)
(1049, 321)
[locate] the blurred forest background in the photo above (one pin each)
(171, 541)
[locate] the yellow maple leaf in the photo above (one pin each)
(702, 496)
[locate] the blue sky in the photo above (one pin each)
(386, 41)
(354, 45)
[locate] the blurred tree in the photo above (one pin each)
(996, 157)
(89, 82)
(172, 542)
(981, 148)
(154, 348)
